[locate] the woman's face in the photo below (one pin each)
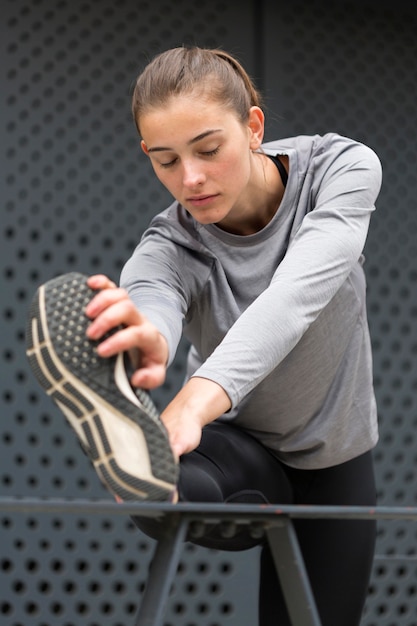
(201, 152)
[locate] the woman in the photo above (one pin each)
(259, 262)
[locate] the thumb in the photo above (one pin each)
(149, 377)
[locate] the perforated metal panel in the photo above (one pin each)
(77, 194)
(351, 68)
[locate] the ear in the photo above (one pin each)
(256, 125)
(144, 147)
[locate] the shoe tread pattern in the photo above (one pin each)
(58, 309)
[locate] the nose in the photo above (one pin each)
(193, 174)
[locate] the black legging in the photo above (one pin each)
(232, 466)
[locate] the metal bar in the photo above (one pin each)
(274, 519)
(292, 574)
(240, 513)
(162, 571)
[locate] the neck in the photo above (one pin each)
(263, 199)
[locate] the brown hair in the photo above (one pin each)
(214, 72)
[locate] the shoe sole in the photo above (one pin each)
(119, 429)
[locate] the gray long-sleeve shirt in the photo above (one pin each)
(277, 318)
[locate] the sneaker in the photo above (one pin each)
(118, 427)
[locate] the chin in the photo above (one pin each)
(207, 218)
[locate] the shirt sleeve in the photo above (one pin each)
(343, 182)
(154, 284)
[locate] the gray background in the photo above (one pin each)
(77, 193)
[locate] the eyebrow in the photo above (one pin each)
(189, 143)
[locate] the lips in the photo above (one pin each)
(201, 200)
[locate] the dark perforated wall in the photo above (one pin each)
(76, 195)
(350, 67)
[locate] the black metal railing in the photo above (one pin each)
(188, 519)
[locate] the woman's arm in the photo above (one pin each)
(340, 188)
(199, 402)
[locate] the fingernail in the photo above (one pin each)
(103, 349)
(92, 332)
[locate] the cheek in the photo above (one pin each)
(231, 169)
(236, 172)
(166, 179)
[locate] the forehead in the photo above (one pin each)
(185, 116)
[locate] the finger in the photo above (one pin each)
(178, 450)
(125, 339)
(104, 299)
(100, 281)
(149, 377)
(147, 345)
(113, 313)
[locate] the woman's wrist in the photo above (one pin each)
(205, 399)
(198, 403)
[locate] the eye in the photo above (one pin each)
(211, 153)
(168, 164)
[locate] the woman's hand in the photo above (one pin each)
(112, 308)
(198, 403)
